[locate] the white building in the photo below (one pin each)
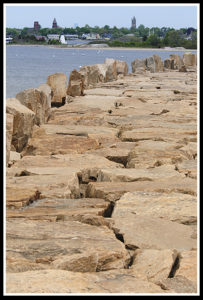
(91, 36)
(62, 40)
(71, 36)
(53, 36)
(8, 40)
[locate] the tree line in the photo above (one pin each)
(128, 37)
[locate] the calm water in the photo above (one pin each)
(29, 66)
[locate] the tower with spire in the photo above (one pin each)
(133, 23)
(54, 25)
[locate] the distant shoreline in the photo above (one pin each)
(102, 48)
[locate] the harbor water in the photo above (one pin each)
(29, 66)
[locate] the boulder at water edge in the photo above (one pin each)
(154, 63)
(190, 59)
(111, 73)
(23, 122)
(75, 84)
(37, 101)
(9, 132)
(138, 65)
(58, 84)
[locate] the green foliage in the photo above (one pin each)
(44, 31)
(142, 36)
(12, 31)
(173, 39)
(54, 42)
(69, 31)
(154, 40)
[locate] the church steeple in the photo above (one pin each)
(54, 25)
(133, 24)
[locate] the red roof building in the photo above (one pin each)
(54, 24)
(36, 26)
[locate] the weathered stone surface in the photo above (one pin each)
(176, 207)
(9, 133)
(99, 102)
(183, 69)
(63, 240)
(121, 67)
(154, 63)
(58, 84)
(190, 149)
(103, 90)
(75, 161)
(93, 74)
(75, 88)
(38, 102)
(101, 72)
(188, 167)
(100, 134)
(18, 196)
(169, 63)
(190, 59)
(65, 170)
(152, 153)
(178, 61)
(50, 182)
(23, 122)
(179, 284)
(117, 152)
(129, 175)
(188, 266)
(47, 144)
(138, 65)
(112, 191)
(147, 232)
(78, 114)
(45, 90)
(111, 72)
(159, 133)
(81, 225)
(85, 262)
(66, 282)
(84, 210)
(14, 156)
(16, 263)
(147, 266)
(75, 84)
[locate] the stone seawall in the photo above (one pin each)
(101, 181)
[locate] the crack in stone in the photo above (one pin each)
(175, 266)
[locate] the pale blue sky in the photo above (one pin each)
(119, 15)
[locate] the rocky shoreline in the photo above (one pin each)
(101, 181)
(101, 47)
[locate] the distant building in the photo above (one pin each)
(130, 35)
(41, 38)
(107, 36)
(36, 26)
(188, 38)
(54, 24)
(71, 36)
(8, 39)
(32, 31)
(62, 40)
(133, 23)
(91, 36)
(53, 36)
(190, 30)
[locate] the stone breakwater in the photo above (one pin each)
(101, 181)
